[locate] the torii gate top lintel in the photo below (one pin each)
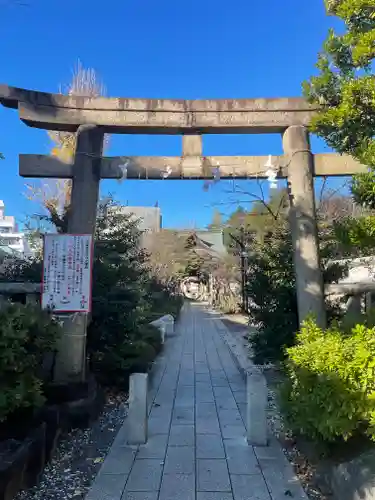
(157, 116)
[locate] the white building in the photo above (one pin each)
(10, 236)
(149, 218)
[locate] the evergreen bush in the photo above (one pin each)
(271, 288)
(329, 392)
(27, 334)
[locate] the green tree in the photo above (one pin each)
(345, 91)
(264, 217)
(344, 87)
(217, 221)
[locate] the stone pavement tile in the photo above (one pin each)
(205, 385)
(177, 487)
(182, 435)
(154, 448)
(207, 426)
(187, 402)
(107, 487)
(241, 458)
(183, 415)
(236, 380)
(226, 403)
(185, 391)
(215, 365)
(121, 440)
(249, 487)
(220, 382)
(140, 495)
(212, 475)
(158, 425)
(240, 397)
(223, 392)
(162, 410)
(209, 446)
(271, 452)
(233, 431)
(205, 397)
(201, 368)
(185, 381)
(164, 399)
(230, 417)
(281, 479)
(180, 460)
(205, 410)
(119, 460)
(145, 475)
(211, 495)
(242, 408)
(203, 377)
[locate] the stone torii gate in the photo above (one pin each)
(91, 118)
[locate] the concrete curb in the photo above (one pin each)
(238, 353)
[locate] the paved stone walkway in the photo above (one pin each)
(197, 448)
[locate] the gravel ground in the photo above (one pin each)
(79, 456)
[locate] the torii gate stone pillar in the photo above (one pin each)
(303, 224)
(71, 353)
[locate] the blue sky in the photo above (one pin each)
(195, 49)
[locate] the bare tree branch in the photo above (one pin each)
(54, 194)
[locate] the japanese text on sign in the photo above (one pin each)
(67, 264)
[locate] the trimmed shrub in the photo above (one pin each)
(27, 334)
(330, 388)
(114, 365)
(151, 335)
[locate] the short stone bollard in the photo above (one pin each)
(165, 324)
(169, 324)
(256, 418)
(137, 419)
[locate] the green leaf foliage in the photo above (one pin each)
(126, 297)
(27, 334)
(329, 393)
(271, 288)
(344, 91)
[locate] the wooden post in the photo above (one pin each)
(71, 357)
(309, 278)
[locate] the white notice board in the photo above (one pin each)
(67, 266)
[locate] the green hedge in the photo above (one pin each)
(27, 334)
(329, 393)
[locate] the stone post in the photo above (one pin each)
(309, 278)
(256, 418)
(137, 421)
(354, 305)
(192, 152)
(71, 357)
